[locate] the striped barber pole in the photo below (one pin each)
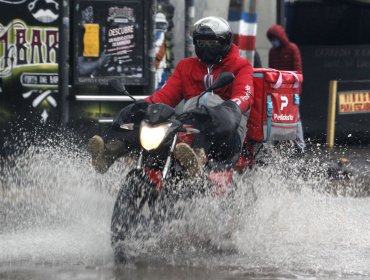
(244, 28)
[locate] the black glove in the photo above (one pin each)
(139, 110)
(133, 113)
(225, 119)
(200, 114)
(199, 117)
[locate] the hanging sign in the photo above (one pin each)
(91, 40)
(111, 41)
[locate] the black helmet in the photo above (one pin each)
(212, 38)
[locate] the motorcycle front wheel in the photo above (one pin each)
(132, 212)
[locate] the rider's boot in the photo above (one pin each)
(103, 154)
(192, 160)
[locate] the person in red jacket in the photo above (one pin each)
(227, 106)
(285, 55)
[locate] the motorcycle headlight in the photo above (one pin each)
(151, 136)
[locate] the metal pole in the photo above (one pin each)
(113, 98)
(63, 64)
(249, 7)
(253, 10)
(152, 13)
(331, 113)
(280, 12)
(189, 21)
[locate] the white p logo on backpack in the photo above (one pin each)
(284, 102)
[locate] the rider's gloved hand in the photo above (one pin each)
(201, 114)
(138, 110)
(200, 118)
(225, 119)
(133, 113)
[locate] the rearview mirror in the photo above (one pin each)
(117, 85)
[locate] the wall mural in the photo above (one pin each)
(29, 49)
(29, 43)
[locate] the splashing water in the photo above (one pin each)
(55, 209)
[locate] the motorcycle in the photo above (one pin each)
(152, 187)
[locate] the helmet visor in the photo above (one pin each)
(208, 43)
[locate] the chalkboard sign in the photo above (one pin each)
(110, 41)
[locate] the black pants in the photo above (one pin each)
(226, 151)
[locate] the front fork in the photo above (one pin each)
(166, 167)
(169, 158)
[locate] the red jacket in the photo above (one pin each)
(287, 55)
(190, 77)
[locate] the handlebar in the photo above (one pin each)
(195, 114)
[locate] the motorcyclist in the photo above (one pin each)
(222, 113)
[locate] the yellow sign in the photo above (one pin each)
(354, 102)
(91, 40)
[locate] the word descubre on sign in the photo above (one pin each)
(354, 102)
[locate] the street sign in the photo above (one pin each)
(353, 102)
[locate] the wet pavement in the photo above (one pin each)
(55, 218)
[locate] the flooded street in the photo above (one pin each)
(55, 216)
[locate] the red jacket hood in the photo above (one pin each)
(232, 54)
(278, 32)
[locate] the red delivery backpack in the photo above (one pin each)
(275, 112)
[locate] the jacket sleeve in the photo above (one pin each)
(242, 87)
(296, 57)
(172, 91)
(270, 59)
